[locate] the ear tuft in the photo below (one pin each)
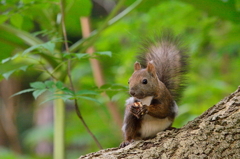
(137, 66)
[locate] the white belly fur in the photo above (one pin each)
(151, 126)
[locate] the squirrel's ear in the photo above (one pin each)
(137, 66)
(151, 68)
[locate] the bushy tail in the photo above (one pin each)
(170, 61)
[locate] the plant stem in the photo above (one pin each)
(59, 122)
(70, 77)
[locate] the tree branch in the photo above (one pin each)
(214, 134)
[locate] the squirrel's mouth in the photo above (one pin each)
(139, 96)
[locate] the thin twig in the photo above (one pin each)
(44, 68)
(70, 77)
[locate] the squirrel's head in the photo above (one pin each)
(143, 82)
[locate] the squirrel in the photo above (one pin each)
(155, 86)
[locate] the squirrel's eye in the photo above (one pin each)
(144, 81)
(128, 82)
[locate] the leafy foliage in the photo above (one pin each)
(32, 48)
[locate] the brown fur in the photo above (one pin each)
(161, 77)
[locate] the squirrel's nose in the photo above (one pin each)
(132, 93)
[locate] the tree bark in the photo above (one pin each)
(215, 134)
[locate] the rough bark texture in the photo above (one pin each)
(215, 134)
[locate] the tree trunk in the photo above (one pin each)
(215, 134)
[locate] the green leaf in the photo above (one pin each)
(59, 85)
(86, 10)
(110, 93)
(119, 87)
(37, 93)
(31, 49)
(49, 84)
(86, 92)
(10, 58)
(50, 46)
(76, 55)
(3, 18)
(105, 53)
(23, 91)
(49, 99)
(38, 85)
(64, 97)
(73, 7)
(82, 55)
(106, 86)
(89, 98)
(7, 74)
(145, 5)
(67, 91)
(237, 5)
(16, 20)
(23, 68)
(6, 60)
(225, 9)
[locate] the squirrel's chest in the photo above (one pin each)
(150, 126)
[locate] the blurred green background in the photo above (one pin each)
(209, 28)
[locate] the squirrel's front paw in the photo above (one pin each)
(125, 143)
(138, 110)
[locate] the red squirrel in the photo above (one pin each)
(155, 86)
